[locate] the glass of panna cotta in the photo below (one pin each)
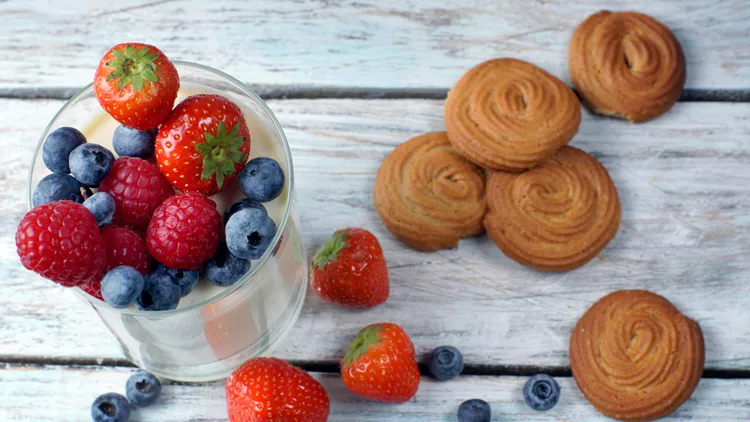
(214, 329)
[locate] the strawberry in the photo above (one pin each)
(137, 85)
(349, 269)
(60, 241)
(269, 389)
(203, 144)
(184, 231)
(125, 247)
(137, 188)
(380, 364)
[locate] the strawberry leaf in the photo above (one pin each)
(133, 66)
(365, 338)
(329, 252)
(221, 153)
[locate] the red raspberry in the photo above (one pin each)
(125, 247)
(60, 241)
(93, 287)
(184, 231)
(137, 188)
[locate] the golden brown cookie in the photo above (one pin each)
(635, 357)
(428, 195)
(626, 64)
(556, 216)
(507, 114)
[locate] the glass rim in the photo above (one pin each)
(280, 229)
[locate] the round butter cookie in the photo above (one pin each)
(635, 357)
(507, 114)
(626, 64)
(556, 216)
(428, 195)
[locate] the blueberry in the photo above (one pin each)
(102, 206)
(57, 148)
(57, 187)
(159, 293)
(121, 286)
(446, 363)
(110, 407)
(474, 410)
(241, 205)
(90, 163)
(541, 392)
(224, 269)
(129, 142)
(262, 179)
(186, 280)
(142, 389)
(249, 232)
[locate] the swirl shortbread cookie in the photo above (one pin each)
(626, 64)
(507, 114)
(556, 216)
(428, 195)
(635, 357)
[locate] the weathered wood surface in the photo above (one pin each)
(367, 43)
(685, 192)
(47, 394)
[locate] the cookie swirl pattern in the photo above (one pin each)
(635, 357)
(428, 195)
(556, 216)
(507, 114)
(626, 64)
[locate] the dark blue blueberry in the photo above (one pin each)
(142, 389)
(57, 187)
(262, 179)
(186, 280)
(102, 206)
(90, 163)
(541, 392)
(160, 293)
(446, 363)
(110, 407)
(129, 142)
(57, 148)
(121, 286)
(241, 205)
(474, 410)
(224, 269)
(249, 233)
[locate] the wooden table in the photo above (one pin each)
(350, 81)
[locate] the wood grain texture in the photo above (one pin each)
(36, 394)
(367, 43)
(682, 180)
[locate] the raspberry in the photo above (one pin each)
(60, 241)
(93, 287)
(184, 231)
(137, 188)
(125, 247)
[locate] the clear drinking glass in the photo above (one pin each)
(215, 329)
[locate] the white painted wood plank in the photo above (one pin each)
(44, 394)
(685, 192)
(368, 43)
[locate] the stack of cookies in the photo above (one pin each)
(503, 164)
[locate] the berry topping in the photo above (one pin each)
(185, 279)
(57, 187)
(121, 286)
(137, 188)
(102, 207)
(262, 179)
(446, 363)
(129, 142)
(93, 287)
(90, 164)
(249, 232)
(159, 293)
(541, 392)
(474, 410)
(61, 242)
(241, 205)
(125, 247)
(184, 231)
(110, 407)
(142, 389)
(224, 269)
(58, 146)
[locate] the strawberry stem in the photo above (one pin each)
(133, 66)
(330, 250)
(221, 152)
(364, 339)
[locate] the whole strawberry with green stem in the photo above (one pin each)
(380, 364)
(203, 144)
(136, 84)
(350, 269)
